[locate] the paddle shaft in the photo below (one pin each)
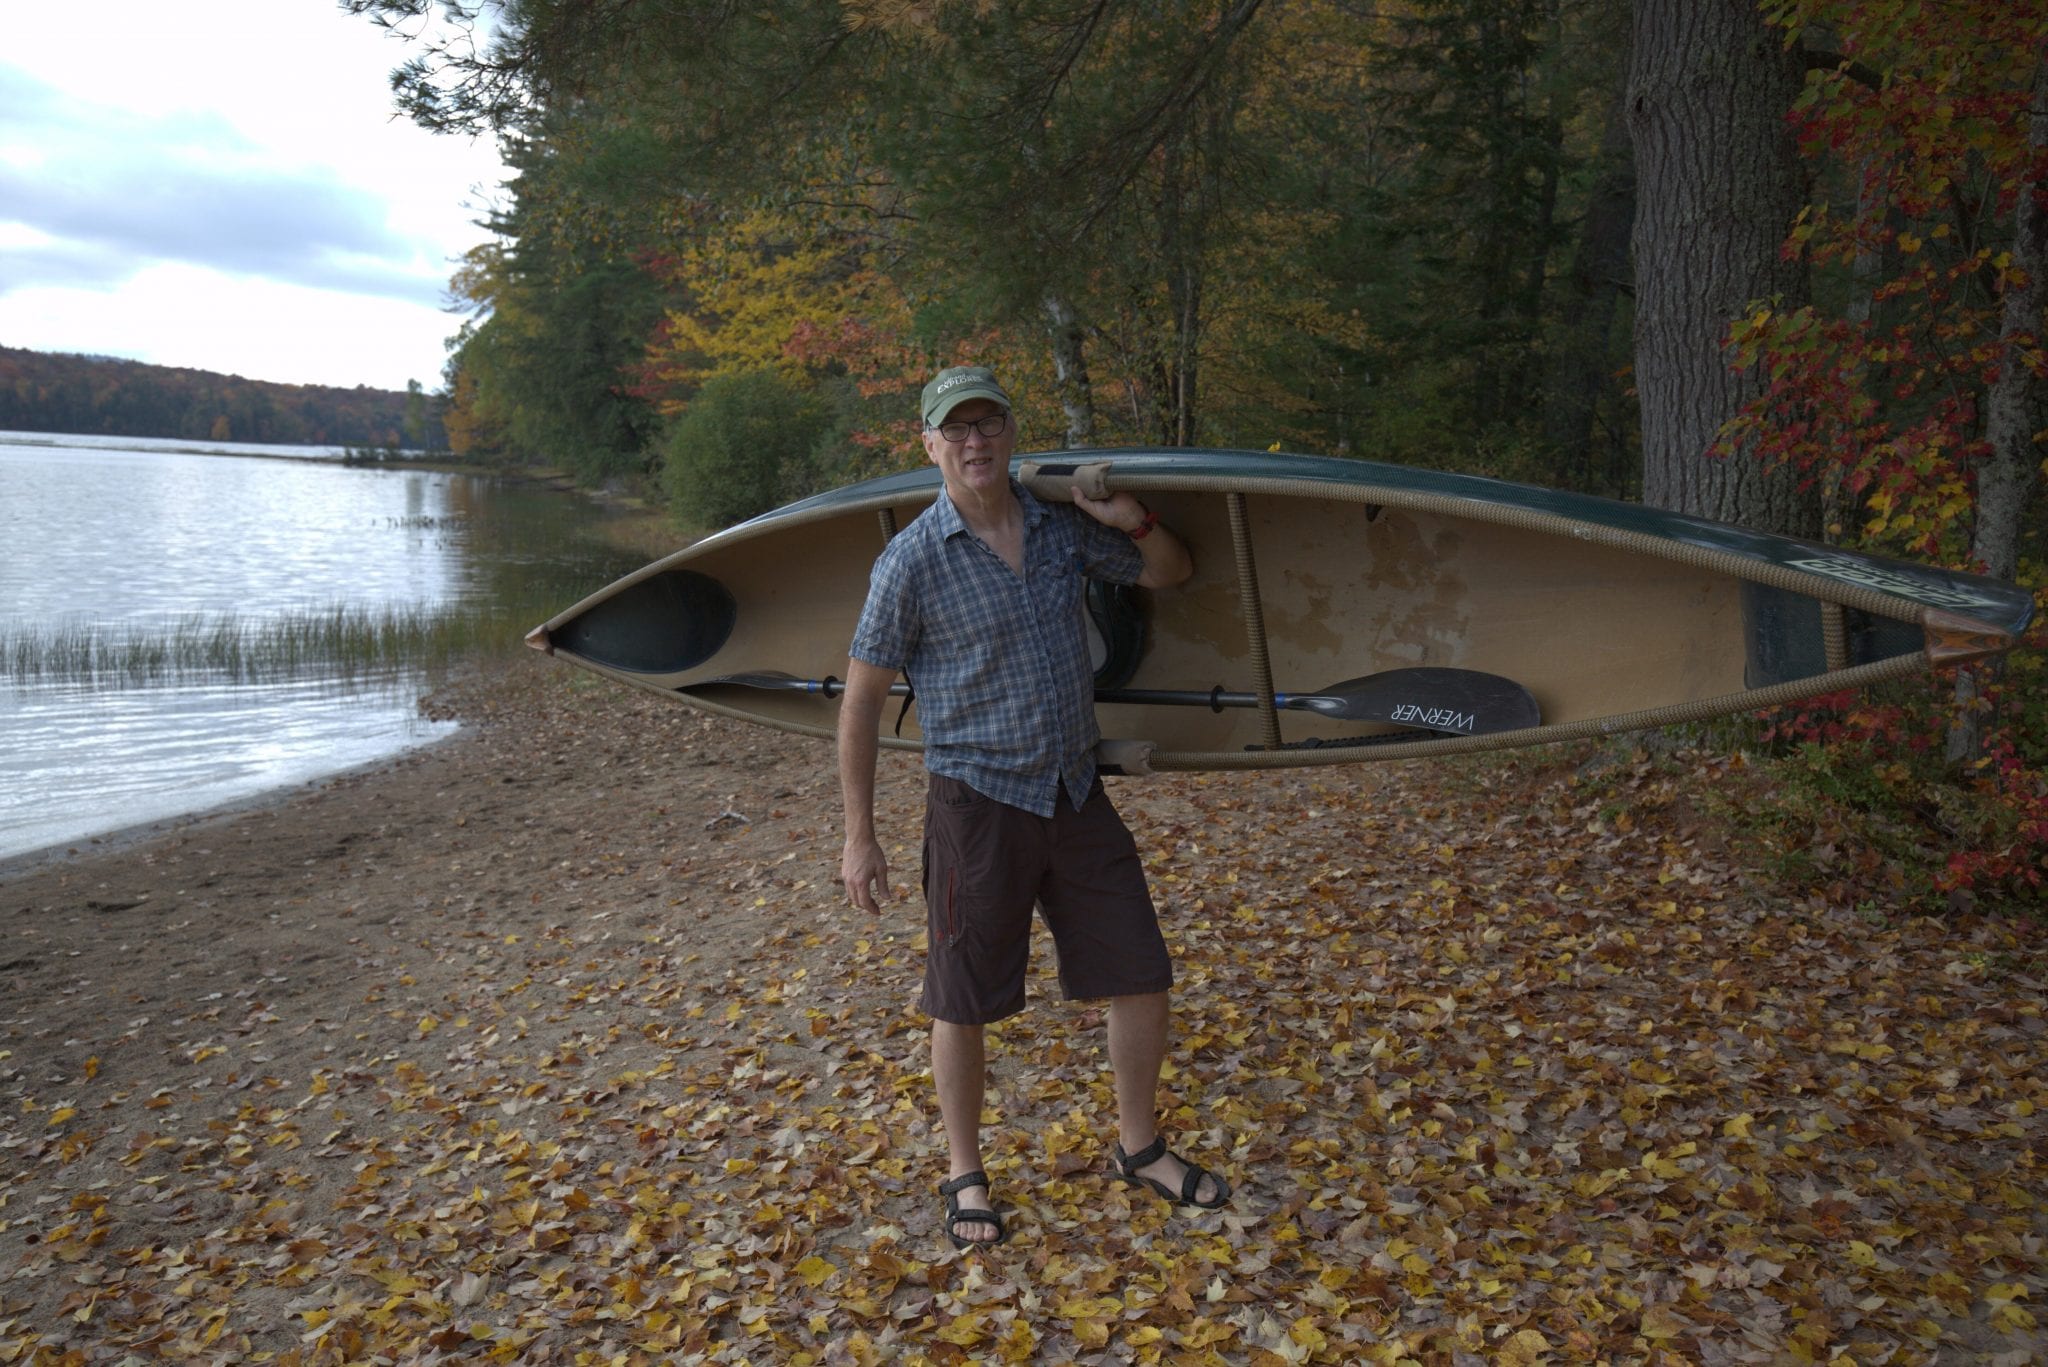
(1216, 699)
(1441, 699)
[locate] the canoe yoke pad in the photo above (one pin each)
(1057, 482)
(1128, 757)
(1115, 616)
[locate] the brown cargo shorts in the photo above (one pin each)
(987, 863)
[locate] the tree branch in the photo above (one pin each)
(1194, 78)
(1820, 59)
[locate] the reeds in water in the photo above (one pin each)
(336, 643)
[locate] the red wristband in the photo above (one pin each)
(1144, 529)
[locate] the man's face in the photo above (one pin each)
(977, 464)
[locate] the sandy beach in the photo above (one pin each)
(556, 1042)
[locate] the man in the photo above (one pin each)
(978, 601)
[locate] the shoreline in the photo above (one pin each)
(433, 462)
(68, 830)
(323, 453)
(122, 839)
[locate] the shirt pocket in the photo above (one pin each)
(1061, 584)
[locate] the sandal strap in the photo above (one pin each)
(952, 1188)
(1191, 1176)
(974, 1217)
(1145, 1157)
(956, 1216)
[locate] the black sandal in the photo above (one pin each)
(1128, 1164)
(956, 1217)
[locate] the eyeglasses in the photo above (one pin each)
(990, 426)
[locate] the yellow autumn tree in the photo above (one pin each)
(812, 300)
(747, 285)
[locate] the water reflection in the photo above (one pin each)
(162, 546)
(105, 760)
(135, 536)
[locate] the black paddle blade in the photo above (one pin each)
(1463, 702)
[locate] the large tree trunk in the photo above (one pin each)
(1718, 183)
(2005, 482)
(2007, 479)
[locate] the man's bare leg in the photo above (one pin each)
(960, 1074)
(1137, 1051)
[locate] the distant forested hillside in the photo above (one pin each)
(55, 392)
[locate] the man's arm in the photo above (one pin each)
(1167, 561)
(863, 868)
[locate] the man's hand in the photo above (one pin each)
(1120, 510)
(1166, 558)
(865, 871)
(863, 868)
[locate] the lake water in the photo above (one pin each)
(149, 540)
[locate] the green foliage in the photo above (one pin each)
(1885, 392)
(1834, 816)
(416, 415)
(747, 443)
(1265, 223)
(1862, 799)
(1918, 136)
(545, 373)
(1493, 116)
(578, 410)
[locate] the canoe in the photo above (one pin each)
(1444, 613)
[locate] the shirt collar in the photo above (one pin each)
(950, 523)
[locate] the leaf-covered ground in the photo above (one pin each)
(558, 1044)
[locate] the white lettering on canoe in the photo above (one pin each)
(1435, 718)
(1871, 577)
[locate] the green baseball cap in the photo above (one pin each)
(956, 385)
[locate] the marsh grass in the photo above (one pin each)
(341, 643)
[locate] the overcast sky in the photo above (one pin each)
(226, 188)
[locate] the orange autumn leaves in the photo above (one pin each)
(1507, 1063)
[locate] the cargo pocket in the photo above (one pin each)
(946, 923)
(943, 922)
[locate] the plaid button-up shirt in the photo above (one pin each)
(999, 661)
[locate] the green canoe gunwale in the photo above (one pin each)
(1962, 616)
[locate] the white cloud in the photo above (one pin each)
(190, 189)
(184, 315)
(21, 237)
(175, 191)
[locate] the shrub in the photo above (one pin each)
(743, 446)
